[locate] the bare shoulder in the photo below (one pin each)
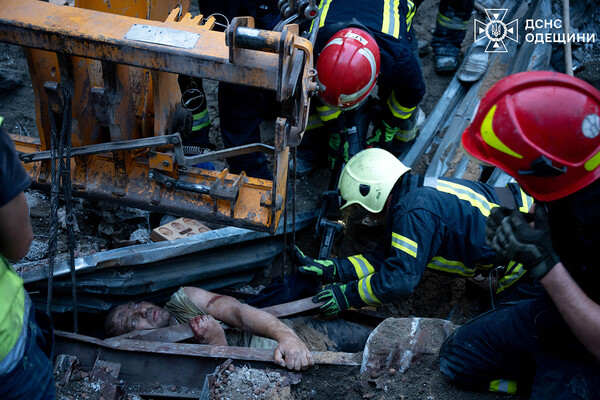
(199, 296)
(209, 302)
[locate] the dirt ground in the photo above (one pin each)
(101, 226)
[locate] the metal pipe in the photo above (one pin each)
(567, 28)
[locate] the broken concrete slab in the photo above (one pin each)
(105, 374)
(64, 365)
(397, 342)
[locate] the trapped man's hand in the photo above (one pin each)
(292, 353)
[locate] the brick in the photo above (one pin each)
(180, 228)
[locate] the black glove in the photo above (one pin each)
(335, 298)
(494, 221)
(515, 239)
(324, 270)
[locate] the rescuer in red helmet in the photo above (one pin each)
(361, 44)
(543, 128)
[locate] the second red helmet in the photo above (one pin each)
(543, 129)
(347, 68)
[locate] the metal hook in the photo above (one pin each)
(189, 98)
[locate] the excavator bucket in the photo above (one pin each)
(107, 72)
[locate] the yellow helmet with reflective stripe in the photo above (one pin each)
(369, 177)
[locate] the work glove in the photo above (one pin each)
(336, 148)
(383, 137)
(517, 240)
(334, 297)
(326, 271)
(497, 214)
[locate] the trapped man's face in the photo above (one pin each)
(142, 315)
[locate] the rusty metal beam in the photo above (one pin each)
(174, 363)
(121, 72)
(103, 36)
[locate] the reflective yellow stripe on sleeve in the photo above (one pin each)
(362, 267)
(397, 109)
(453, 267)
(327, 113)
(503, 386)
(513, 273)
(366, 292)
(411, 13)
(405, 244)
(477, 200)
(527, 202)
(391, 18)
(314, 122)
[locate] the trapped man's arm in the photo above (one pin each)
(291, 352)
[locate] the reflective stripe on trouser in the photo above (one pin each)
(451, 23)
(451, 27)
(366, 291)
(200, 120)
(503, 386)
(362, 267)
(405, 244)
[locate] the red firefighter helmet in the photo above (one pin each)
(347, 68)
(543, 129)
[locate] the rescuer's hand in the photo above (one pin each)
(383, 137)
(324, 270)
(292, 353)
(530, 245)
(334, 298)
(208, 330)
(497, 214)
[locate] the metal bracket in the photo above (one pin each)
(220, 190)
(172, 183)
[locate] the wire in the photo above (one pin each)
(216, 23)
(490, 279)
